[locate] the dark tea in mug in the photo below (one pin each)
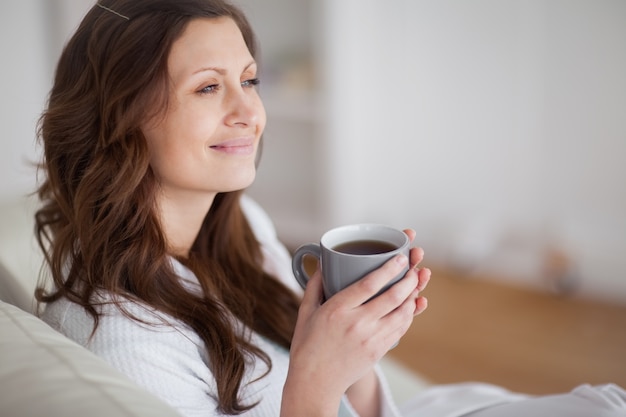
(365, 247)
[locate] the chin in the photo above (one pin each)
(241, 182)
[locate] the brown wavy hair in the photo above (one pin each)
(98, 225)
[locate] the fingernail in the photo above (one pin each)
(402, 259)
(417, 308)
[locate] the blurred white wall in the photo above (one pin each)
(495, 128)
(32, 33)
(23, 82)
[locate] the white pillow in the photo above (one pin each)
(43, 373)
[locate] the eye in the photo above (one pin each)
(251, 82)
(209, 89)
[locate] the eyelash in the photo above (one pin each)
(252, 82)
(213, 88)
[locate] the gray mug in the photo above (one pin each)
(348, 253)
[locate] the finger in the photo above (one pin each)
(416, 255)
(424, 275)
(364, 289)
(314, 292)
(396, 323)
(421, 304)
(395, 296)
(410, 233)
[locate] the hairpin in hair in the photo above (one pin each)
(112, 11)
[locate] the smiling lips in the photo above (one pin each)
(240, 146)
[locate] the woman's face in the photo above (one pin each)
(208, 138)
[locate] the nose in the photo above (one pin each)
(244, 108)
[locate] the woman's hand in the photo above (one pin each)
(337, 343)
(417, 255)
(364, 395)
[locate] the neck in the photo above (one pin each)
(182, 217)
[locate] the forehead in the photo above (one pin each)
(205, 42)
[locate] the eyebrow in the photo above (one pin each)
(219, 70)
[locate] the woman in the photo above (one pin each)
(160, 266)
(163, 268)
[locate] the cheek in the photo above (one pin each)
(161, 150)
(262, 117)
(158, 159)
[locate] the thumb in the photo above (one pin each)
(313, 293)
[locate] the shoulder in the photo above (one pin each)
(129, 321)
(154, 350)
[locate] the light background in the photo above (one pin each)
(495, 128)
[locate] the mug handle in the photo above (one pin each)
(297, 265)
